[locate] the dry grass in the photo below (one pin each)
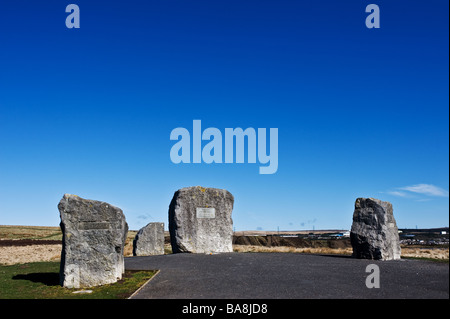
(26, 254)
(433, 253)
(128, 249)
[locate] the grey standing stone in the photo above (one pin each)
(94, 236)
(200, 220)
(374, 233)
(149, 240)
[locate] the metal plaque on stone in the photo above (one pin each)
(206, 212)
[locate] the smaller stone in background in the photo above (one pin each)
(149, 240)
(374, 233)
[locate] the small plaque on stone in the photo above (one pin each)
(206, 212)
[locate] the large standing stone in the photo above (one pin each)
(149, 240)
(374, 233)
(94, 235)
(200, 220)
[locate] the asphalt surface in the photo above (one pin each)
(286, 276)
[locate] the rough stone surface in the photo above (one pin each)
(374, 233)
(149, 240)
(200, 220)
(94, 236)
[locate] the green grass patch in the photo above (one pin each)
(40, 280)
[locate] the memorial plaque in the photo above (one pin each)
(93, 225)
(206, 212)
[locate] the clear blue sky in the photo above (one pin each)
(360, 112)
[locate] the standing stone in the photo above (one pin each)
(374, 233)
(149, 240)
(200, 220)
(94, 236)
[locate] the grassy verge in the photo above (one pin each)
(444, 260)
(433, 254)
(40, 280)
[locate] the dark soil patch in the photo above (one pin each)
(291, 242)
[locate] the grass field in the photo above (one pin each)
(30, 232)
(41, 281)
(22, 279)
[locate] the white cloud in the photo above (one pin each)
(423, 200)
(426, 189)
(398, 193)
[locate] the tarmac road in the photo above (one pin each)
(286, 276)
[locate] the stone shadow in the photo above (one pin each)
(46, 278)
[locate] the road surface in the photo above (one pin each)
(286, 276)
